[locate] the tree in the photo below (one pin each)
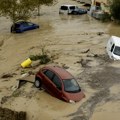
(115, 9)
(38, 3)
(16, 9)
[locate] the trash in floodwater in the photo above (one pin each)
(113, 48)
(24, 75)
(21, 83)
(25, 78)
(26, 63)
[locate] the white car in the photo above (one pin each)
(113, 48)
(71, 9)
(67, 9)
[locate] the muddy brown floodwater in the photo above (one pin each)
(77, 43)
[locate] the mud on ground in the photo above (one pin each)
(7, 114)
(77, 44)
(100, 79)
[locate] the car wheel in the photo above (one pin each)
(37, 26)
(12, 29)
(38, 83)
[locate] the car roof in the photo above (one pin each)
(21, 21)
(63, 74)
(116, 40)
(68, 5)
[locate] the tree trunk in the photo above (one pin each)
(39, 7)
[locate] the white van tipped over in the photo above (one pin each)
(113, 48)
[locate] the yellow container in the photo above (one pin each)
(26, 63)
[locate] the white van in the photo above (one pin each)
(67, 9)
(113, 48)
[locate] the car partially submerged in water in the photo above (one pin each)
(113, 48)
(59, 83)
(22, 26)
(72, 9)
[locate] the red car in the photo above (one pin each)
(59, 83)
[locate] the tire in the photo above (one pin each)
(12, 29)
(38, 83)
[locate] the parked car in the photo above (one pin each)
(71, 9)
(59, 83)
(113, 48)
(79, 11)
(22, 26)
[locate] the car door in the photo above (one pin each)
(30, 25)
(47, 80)
(25, 26)
(57, 86)
(17, 28)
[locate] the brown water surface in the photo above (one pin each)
(68, 36)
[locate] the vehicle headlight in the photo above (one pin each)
(71, 101)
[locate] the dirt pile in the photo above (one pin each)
(7, 114)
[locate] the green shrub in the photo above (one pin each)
(115, 9)
(34, 57)
(43, 57)
(106, 17)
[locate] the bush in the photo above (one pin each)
(43, 57)
(35, 57)
(115, 9)
(106, 17)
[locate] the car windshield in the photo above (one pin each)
(72, 7)
(64, 8)
(117, 50)
(27, 24)
(30, 24)
(70, 85)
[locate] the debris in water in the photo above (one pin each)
(7, 114)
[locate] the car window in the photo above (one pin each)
(17, 25)
(30, 24)
(49, 74)
(112, 47)
(57, 82)
(64, 8)
(71, 86)
(72, 7)
(117, 50)
(98, 8)
(25, 24)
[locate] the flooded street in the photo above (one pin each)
(67, 38)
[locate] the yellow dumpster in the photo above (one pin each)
(26, 63)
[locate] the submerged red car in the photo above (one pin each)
(59, 83)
